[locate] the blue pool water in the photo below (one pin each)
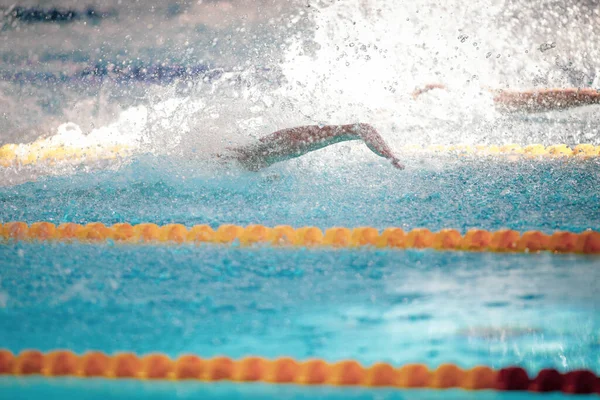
(101, 389)
(394, 306)
(57, 389)
(434, 193)
(531, 310)
(181, 80)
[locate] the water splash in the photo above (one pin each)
(342, 62)
(372, 54)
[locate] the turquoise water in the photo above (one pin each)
(394, 306)
(182, 78)
(531, 310)
(460, 193)
(102, 389)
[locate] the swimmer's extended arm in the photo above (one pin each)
(295, 142)
(545, 99)
(533, 100)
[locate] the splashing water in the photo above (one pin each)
(330, 62)
(176, 83)
(372, 55)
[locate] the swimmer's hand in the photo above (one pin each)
(427, 88)
(376, 144)
(396, 163)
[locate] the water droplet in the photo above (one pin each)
(546, 46)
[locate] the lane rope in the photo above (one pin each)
(42, 151)
(505, 240)
(39, 152)
(288, 370)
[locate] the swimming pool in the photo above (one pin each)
(370, 305)
(132, 101)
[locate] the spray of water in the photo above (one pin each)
(373, 54)
(359, 60)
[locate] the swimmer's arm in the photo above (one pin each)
(295, 142)
(533, 100)
(545, 99)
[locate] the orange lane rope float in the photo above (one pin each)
(44, 151)
(288, 370)
(587, 242)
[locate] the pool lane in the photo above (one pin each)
(483, 193)
(531, 310)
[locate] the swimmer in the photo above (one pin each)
(533, 101)
(295, 142)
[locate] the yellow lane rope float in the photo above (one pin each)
(532, 150)
(43, 151)
(505, 240)
(290, 371)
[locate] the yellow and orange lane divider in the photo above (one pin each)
(505, 240)
(42, 151)
(290, 371)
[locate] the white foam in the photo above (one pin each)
(372, 54)
(126, 131)
(365, 59)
